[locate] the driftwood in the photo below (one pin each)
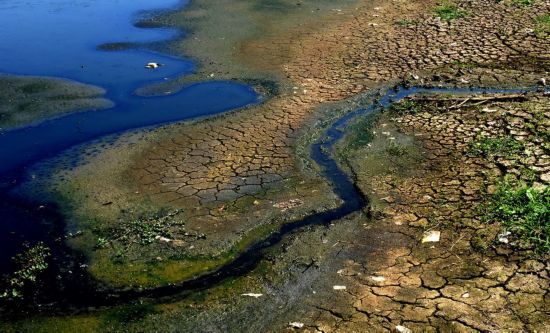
(484, 98)
(477, 99)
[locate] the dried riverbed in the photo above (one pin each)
(391, 280)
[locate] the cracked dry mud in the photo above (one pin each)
(468, 281)
(209, 165)
(224, 160)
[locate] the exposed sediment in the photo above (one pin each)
(465, 282)
(25, 100)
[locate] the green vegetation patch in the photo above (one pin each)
(144, 229)
(542, 25)
(360, 133)
(522, 3)
(499, 146)
(406, 106)
(522, 210)
(29, 265)
(449, 11)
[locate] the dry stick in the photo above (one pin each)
(472, 98)
(456, 106)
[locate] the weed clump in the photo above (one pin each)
(449, 12)
(29, 265)
(522, 210)
(542, 28)
(406, 106)
(499, 146)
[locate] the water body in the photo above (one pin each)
(60, 38)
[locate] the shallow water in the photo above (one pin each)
(60, 38)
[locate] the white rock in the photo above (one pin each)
(163, 239)
(252, 295)
(296, 324)
(431, 236)
(486, 109)
(339, 287)
(378, 278)
(465, 295)
(402, 329)
(503, 237)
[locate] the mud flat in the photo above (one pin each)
(26, 100)
(429, 164)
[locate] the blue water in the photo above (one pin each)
(59, 38)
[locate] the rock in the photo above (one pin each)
(402, 329)
(503, 237)
(296, 324)
(431, 236)
(378, 278)
(163, 239)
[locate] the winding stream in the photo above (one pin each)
(85, 295)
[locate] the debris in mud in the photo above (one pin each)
(153, 65)
(296, 324)
(163, 239)
(503, 237)
(286, 205)
(339, 287)
(402, 329)
(252, 295)
(378, 278)
(431, 236)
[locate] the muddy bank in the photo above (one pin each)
(26, 100)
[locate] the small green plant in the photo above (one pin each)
(142, 230)
(29, 265)
(360, 133)
(522, 210)
(395, 149)
(101, 242)
(542, 25)
(449, 11)
(406, 106)
(522, 3)
(499, 146)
